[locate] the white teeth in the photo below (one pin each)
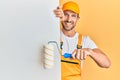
(68, 23)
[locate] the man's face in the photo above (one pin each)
(70, 19)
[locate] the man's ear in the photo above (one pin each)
(78, 17)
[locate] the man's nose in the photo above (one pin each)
(69, 19)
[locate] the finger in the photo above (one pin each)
(78, 54)
(73, 54)
(59, 7)
(84, 55)
(59, 16)
(81, 54)
(58, 13)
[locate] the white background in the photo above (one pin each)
(25, 27)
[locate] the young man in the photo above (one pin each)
(72, 42)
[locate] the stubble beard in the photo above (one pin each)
(66, 28)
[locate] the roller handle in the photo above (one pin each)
(67, 55)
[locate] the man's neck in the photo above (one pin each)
(70, 33)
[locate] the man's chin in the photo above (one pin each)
(67, 29)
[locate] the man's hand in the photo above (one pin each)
(81, 54)
(59, 13)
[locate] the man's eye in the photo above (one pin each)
(73, 15)
(66, 14)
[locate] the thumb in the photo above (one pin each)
(59, 7)
(73, 54)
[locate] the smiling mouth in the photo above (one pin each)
(67, 26)
(68, 23)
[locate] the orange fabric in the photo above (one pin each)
(71, 71)
(79, 41)
(71, 6)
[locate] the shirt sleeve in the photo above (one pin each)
(87, 42)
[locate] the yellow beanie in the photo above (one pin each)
(71, 6)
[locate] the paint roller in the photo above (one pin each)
(49, 55)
